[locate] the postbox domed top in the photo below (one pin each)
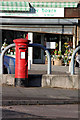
(21, 40)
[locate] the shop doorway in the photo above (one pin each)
(38, 54)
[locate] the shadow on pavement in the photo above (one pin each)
(34, 80)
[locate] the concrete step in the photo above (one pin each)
(56, 80)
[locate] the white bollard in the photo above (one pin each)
(29, 64)
(70, 67)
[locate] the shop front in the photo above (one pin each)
(43, 23)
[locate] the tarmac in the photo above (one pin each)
(38, 95)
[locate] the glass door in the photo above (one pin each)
(38, 53)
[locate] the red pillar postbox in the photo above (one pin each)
(21, 62)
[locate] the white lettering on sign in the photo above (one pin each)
(38, 12)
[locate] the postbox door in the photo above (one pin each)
(23, 66)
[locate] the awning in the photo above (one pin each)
(28, 21)
(14, 6)
(54, 4)
(44, 29)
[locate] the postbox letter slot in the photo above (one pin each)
(21, 48)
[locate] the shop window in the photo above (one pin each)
(19, 34)
(37, 39)
(66, 41)
(52, 39)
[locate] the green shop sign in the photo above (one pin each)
(37, 12)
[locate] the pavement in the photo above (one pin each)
(39, 95)
(42, 69)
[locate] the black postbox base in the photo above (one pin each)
(21, 82)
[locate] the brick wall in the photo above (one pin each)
(72, 12)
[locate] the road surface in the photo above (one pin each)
(41, 112)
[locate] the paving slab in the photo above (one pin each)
(42, 69)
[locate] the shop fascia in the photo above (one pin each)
(37, 12)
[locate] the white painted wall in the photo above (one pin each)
(60, 43)
(30, 49)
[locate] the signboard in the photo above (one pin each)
(37, 12)
(22, 55)
(50, 45)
